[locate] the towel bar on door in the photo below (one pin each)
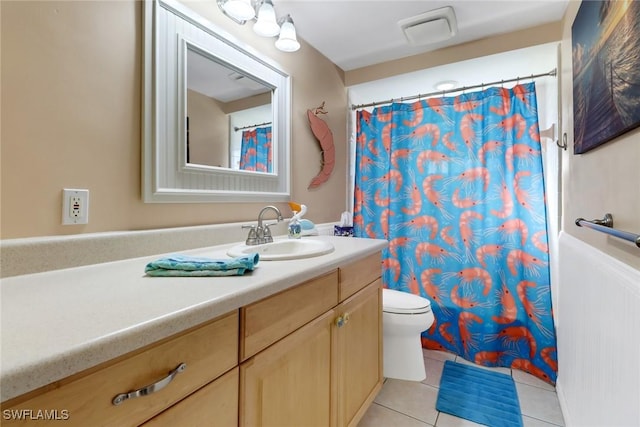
(605, 225)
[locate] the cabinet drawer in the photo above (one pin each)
(359, 274)
(268, 320)
(207, 351)
(214, 404)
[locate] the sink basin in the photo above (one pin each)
(284, 249)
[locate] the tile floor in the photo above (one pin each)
(413, 404)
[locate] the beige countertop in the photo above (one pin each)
(58, 323)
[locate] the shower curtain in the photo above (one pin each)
(255, 151)
(455, 185)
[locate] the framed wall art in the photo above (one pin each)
(606, 72)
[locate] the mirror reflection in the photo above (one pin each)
(229, 116)
(194, 70)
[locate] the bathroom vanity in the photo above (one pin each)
(295, 343)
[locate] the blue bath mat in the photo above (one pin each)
(478, 395)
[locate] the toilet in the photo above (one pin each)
(404, 317)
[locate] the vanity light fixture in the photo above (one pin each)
(239, 10)
(287, 42)
(266, 24)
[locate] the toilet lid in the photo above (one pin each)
(404, 303)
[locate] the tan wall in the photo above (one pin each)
(246, 103)
(71, 95)
(208, 131)
(601, 180)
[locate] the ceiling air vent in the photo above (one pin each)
(246, 82)
(430, 27)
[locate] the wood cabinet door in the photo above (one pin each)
(289, 383)
(214, 405)
(359, 353)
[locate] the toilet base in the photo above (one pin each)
(403, 359)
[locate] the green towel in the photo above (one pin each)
(186, 266)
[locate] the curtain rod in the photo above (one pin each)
(236, 128)
(460, 89)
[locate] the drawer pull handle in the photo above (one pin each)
(152, 388)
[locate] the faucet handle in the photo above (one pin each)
(252, 237)
(267, 234)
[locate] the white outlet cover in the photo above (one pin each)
(82, 214)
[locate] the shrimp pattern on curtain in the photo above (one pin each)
(455, 185)
(255, 151)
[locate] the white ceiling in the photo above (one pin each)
(358, 33)
(218, 81)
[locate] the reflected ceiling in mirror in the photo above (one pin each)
(229, 116)
(193, 73)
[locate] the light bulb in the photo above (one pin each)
(239, 9)
(266, 25)
(446, 85)
(287, 42)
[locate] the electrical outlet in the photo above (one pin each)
(75, 206)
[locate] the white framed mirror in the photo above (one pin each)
(216, 113)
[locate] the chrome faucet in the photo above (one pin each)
(261, 234)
